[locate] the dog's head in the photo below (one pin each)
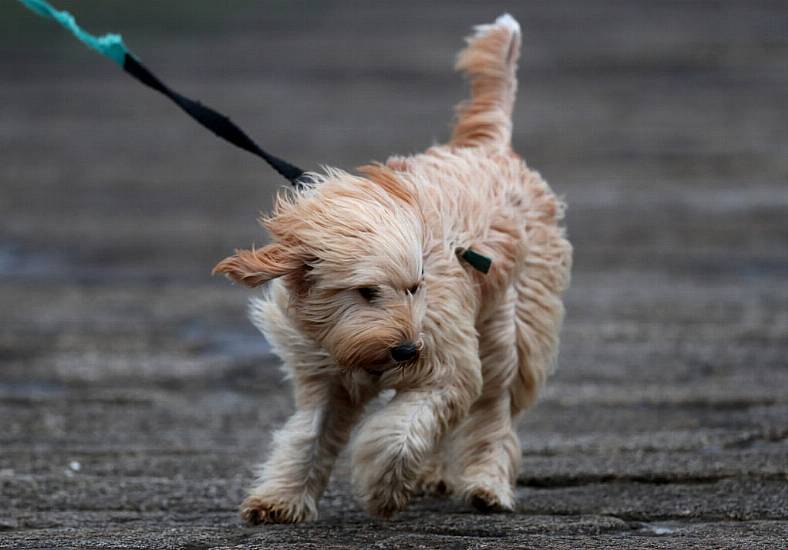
(350, 251)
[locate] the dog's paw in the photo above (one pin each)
(434, 480)
(435, 487)
(387, 502)
(487, 499)
(257, 509)
(382, 491)
(434, 483)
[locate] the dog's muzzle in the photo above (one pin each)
(404, 352)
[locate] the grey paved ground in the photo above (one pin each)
(135, 397)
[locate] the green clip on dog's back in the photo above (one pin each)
(477, 261)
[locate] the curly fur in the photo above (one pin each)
(486, 342)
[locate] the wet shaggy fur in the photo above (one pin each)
(360, 264)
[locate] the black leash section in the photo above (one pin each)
(215, 122)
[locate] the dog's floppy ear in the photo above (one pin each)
(257, 266)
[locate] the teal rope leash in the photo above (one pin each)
(111, 45)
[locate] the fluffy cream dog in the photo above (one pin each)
(369, 293)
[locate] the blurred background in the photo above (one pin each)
(134, 394)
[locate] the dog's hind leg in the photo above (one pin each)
(490, 64)
(484, 448)
(539, 309)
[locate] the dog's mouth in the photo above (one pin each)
(398, 363)
(377, 370)
(381, 364)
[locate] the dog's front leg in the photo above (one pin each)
(395, 444)
(295, 475)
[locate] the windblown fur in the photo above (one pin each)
(362, 264)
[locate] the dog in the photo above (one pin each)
(369, 293)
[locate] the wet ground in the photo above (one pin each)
(134, 395)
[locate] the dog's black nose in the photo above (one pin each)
(404, 352)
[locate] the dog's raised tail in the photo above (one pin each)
(489, 61)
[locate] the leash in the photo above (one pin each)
(111, 45)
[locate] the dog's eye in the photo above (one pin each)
(368, 293)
